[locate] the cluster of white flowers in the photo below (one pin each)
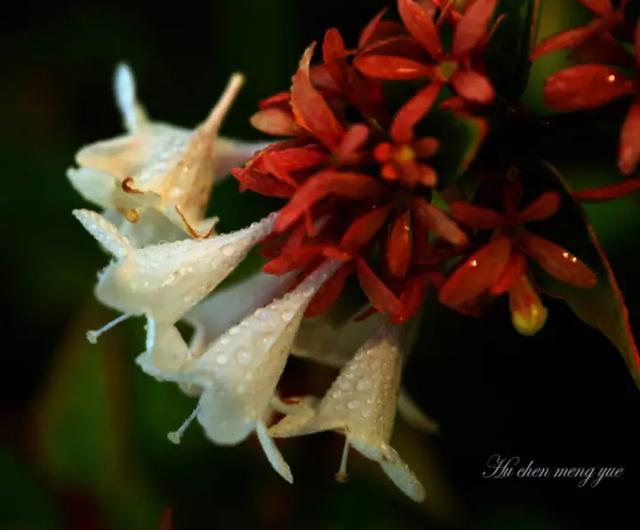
(153, 184)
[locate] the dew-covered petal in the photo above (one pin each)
(585, 86)
(558, 261)
(477, 274)
(105, 233)
(361, 403)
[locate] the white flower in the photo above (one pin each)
(238, 373)
(361, 403)
(164, 281)
(160, 168)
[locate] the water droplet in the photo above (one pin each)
(287, 316)
(244, 357)
(228, 250)
(366, 413)
(234, 330)
(336, 394)
(353, 405)
(363, 385)
(222, 359)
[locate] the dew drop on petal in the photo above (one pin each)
(244, 357)
(222, 359)
(353, 404)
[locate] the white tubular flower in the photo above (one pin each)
(158, 166)
(361, 403)
(165, 281)
(238, 373)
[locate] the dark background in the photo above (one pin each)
(82, 433)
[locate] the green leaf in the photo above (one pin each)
(508, 53)
(603, 306)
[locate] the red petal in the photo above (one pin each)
(558, 262)
(607, 193)
(421, 26)
(629, 152)
(472, 27)
(391, 67)
(328, 293)
(333, 47)
(414, 173)
(277, 99)
(585, 86)
(275, 122)
(399, 245)
(309, 107)
(513, 271)
(378, 293)
(475, 216)
(296, 158)
(354, 140)
(412, 112)
(363, 229)
(473, 86)
(566, 39)
(320, 185)
(542, 208)
(426, 147)
(262, 183)
(370, 29)
(411, 297)
(599, 7)
(477, 274)
(398, 46)
(438, 222)
(527, 312)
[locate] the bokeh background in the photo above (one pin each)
(83, 433)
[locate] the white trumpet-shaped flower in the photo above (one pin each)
(159, 167)
(238, 373)
(361, 403)
(164, 281)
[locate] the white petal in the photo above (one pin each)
(105, 233)
(362, 403)
(326, 340)
(125, 91)
(241, 369)
(166, 353)
(167, 280)
(411, 412)
(226, 307)
(94, 185)
(273, 454)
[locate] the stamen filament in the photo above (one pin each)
(342, 475)
(176, 436)
(93, 334)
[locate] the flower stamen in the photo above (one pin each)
(94, 334)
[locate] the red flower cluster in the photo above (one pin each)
(359, 179)
(608, 71)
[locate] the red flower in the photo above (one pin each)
(592, 85)
(501, 265)
(398, 57)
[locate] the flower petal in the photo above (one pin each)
(629, 152)
(391, 67)
(475, 216)
(363, 229)
(310, 108)
(421, 26)
(472, 27)
(473, 86)
(275, 122)
(543, 207)
(558, 262)
(585, 86)
(398, 253)
(434, 219)
(412, 112)
(599, 7)
(477, 274)
(362, 403)
(567, 39)
(105, 233)
(328, 293)
(370, 30)
(124, 85)
(340, 184)
(378, 293)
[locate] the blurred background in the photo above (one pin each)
(83, 432)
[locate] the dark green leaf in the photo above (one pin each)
(603, 306)
(509, 49)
